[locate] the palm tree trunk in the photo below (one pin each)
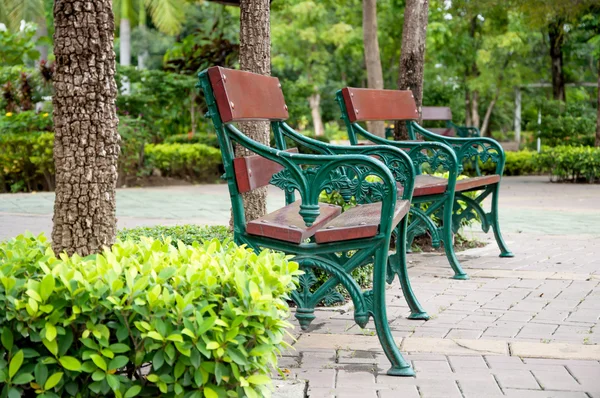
(86, 144)
(42, 31)
(143, 54)
(372, 57)
(412, 56)
(255, 56)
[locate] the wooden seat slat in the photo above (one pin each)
(432, 185)
(287, 225)
(358, 222)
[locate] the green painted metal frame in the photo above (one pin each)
(455, 152)
(309, 175)
(472, 150)
(435, 156)
(463, 131)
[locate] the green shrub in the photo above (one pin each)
(573, 123)
(209, 139)
(24, 122)
(192, 161)
(141, 319)
(188, 234)
(517, 164)
(26, 162)
(569, 163)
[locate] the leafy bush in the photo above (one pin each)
(209, 139)
(188, 234)
(26, 162)
(197, 162)
(141, 319)
(573, 123)
(24, 122)
(568, 163)
(517, 164)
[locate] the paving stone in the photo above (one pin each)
(361, 380)
(324, 378)
(355, 393)
(461, 363)
(512, 378)
(477, 387)
(555, 350)
(319, 392)
(400, 391)
(503, 362)
(454, 347)
(464, 334)
(514, 393)
(431, 366)
(559, 379)
(439, 389)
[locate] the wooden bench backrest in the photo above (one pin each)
(364, 104)
(436, 113)
(246, 96)
(254, 171)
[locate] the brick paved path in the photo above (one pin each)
(521, 327)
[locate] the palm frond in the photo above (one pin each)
(17, 10)
(167, 15)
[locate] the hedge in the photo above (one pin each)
(517, 164)
(187, 233)
(571, 163)
(26, 162)
(197, 162)
(141, 319)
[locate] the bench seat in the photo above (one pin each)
(332, 225)
(431, 185)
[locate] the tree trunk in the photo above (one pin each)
(372, 57)
(467, 107)
(488, 114)
(86, 143)
(143, 54)
(557, 38)
(475, 109)
(42, 31)
(315, 110)
(125, 42)
(597, 143)
(255, 56)
(412, 56)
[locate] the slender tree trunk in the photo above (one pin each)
(315, 110)
(125, 42)
(372, 57)
(467, 107)
(42, 31)
(412, 56)
(144, 53)
(488, 114)
(597, 143)
(255, 56)
(475, 109)
(557, 38)
(86, 143)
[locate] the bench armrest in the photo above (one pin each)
(311, 174)
(464, 131)
(399, 163)
(467, 150)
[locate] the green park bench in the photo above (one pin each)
(317, 235)
(442, 113)
(437, 192)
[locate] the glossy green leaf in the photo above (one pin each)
(7, 338)
(133, 391)
(53, 380)
(70, 363)
(99, 361)
(15, 364)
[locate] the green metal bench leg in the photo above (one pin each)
(416, 311)
(504, 251)
(399, 365)
(459, 273)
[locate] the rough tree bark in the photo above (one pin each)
(597, 143)
(412, 56)
(557, 38)
(255, 56)
(467, 106)
(372, 57)
(86, 141)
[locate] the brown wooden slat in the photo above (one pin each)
(246, 96)
(430, 185)
(359, 222)
(436, 113)
(254, 171)
(369, 104)
(287, 225)
(476, 182)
